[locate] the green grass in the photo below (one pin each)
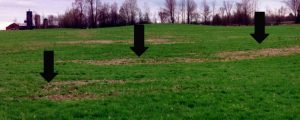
(262, 88)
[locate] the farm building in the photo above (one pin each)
(17, 26)
(13, 26)
(29, 23)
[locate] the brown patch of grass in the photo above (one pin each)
(72, 85)
(58, 97)
(150, 41)
(252, 54)
(162, 41)
(223, 56)
(91, 42)
(85, 82)
(68, 90)
(136, 61)
(84, 34)
(2, 90)
(81, 96)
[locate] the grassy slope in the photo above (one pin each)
(249, 89)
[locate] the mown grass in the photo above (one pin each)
(262, 88)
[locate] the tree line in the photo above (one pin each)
(96, 13)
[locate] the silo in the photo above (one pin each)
(37, 21)
(29, 20)
(45, 23)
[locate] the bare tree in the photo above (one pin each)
(205, 11)
(191, 7)
(78, 14)
(170, 7)
(114, 14)
(281, 12)
(248, 8)
(163, 16)
(129, 11)
(104, 15)
(276, 16)
(213, 4)
(154, 19)
(125, 12)
(98, 4)
(133, 10)
(183, 10)
(294, 6)
(146, 15)
(141, 17)
(222, 12)
(195, 17)
(91, 13)
(227, 7)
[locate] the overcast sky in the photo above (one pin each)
(11, 10)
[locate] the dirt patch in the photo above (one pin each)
(91, 42)
(70, 97)
(81, 96)
(163, 41)
(85, 82)
(72, 86)
(80, 83)
(69, 90)
(148, 41)
(252, 54)
(222, 57)
(2, 90)
(137, 61)
(84, 34)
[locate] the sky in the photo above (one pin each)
(15, 10)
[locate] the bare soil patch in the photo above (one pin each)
(72, 85)
(252, 54)
(69, 90)
(84, 34)
(74, 96)
(84, 96)
(136, 61)
(91, 42)
(2, 90)
(148, 41)
(85, 82)
(163, 41)
(223, 56)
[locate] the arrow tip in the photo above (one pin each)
(139, 51)
(48, 76)
(259, 37)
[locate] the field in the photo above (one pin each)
(188, 72)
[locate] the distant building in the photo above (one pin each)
(45, 23)
(29, 20)
(17, 26)
(37, 21)
(13, 26)
(28, 23)
(34, 22)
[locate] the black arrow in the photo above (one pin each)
(260, 23)
(139, 40)
(48, 73)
